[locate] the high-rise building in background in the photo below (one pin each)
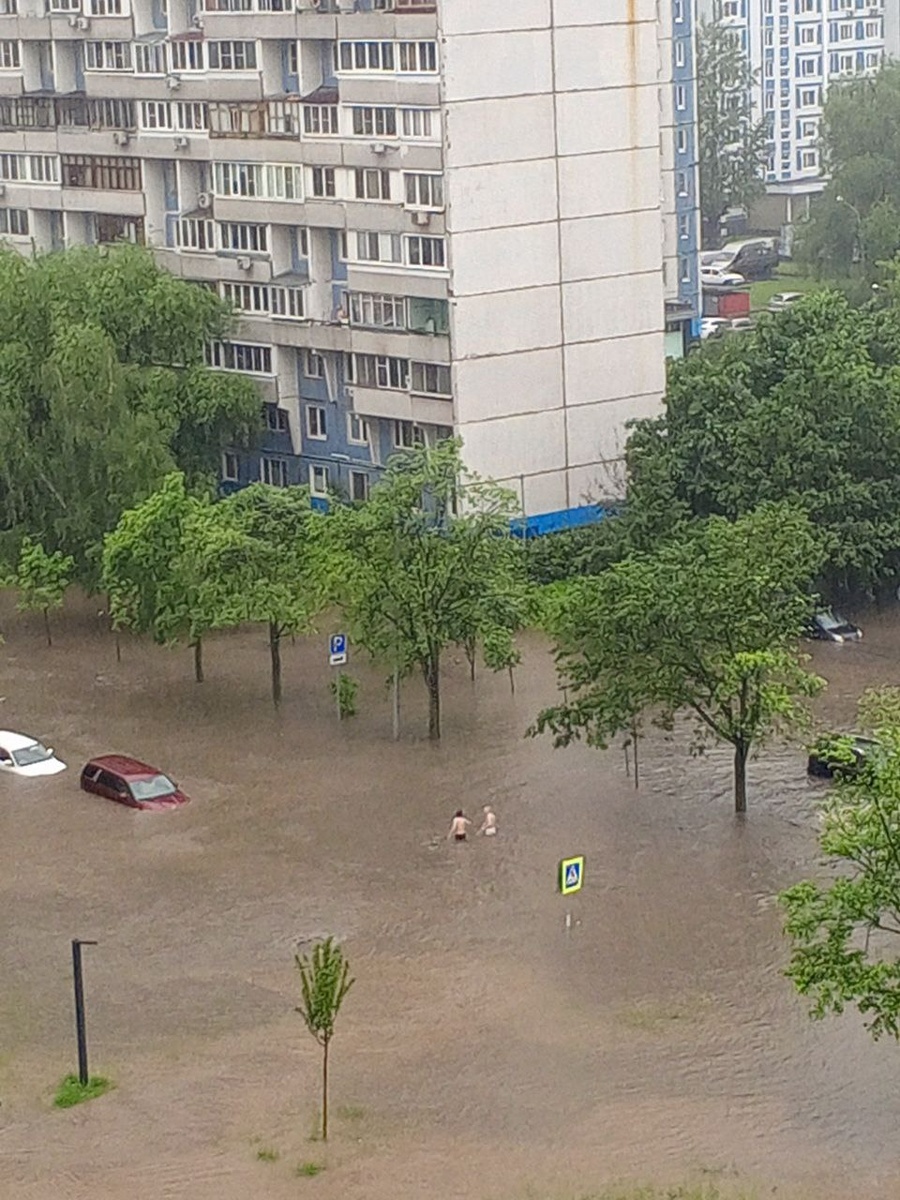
(797, 49)
(892, 29)
(432, 216)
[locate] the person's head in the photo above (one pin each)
(459, 813)
(487, 808)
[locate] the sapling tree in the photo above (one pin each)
(42, 579)
(325, 981)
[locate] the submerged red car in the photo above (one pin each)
(132, 782)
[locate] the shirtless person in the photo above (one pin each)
(458, 826)
(489, 825)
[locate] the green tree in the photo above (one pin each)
(265, 557)
(150, 568)
(104, 390)
(855, 226)
(428, 562)
(731, 142)
(843, 933)
(324, 983)
(42, 580)
(706, 626)
(747, 426)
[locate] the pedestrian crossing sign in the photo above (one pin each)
(571, 875)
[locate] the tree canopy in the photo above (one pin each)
(855, 227)
(843, 932)
(705, 625)
(103, 391)
(732, 142)
(805, 409)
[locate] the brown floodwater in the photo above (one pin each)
(485, 1051)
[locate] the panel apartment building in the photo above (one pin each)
(797, 49)
(431, 216)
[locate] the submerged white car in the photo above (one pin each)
(22, 755)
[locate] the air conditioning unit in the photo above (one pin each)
(204, 200)
(173, 82)
(180, 142)
(308, 5)
(73, 20)
(121, 137)
(346, 6)
(243, 262)
(197, 21)
(378, 148)
(421, 218)
(82, 22)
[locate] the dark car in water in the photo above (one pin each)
(841, 754)
(131, 782)
(829, 626)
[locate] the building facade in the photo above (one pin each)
(431, 216)
(681, 190)
(797, 49)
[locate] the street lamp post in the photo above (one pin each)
(860, 243)
(80, 1031)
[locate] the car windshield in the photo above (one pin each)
(28, 755)
(153, 788)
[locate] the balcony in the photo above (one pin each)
(415, 6)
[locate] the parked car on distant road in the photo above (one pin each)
(712, 276)
(713, 327)
(829, 626)
(740, 325)
(22, 755)
(840, 754)
(782, 300)
(132, 782)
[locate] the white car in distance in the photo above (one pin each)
(23, 755)
(712, 276)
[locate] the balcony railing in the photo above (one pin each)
(70, 112)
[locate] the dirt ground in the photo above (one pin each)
(484, 1052)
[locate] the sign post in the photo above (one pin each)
(337, 657)
(80, 1031)
(570, 879)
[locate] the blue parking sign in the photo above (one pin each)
(337, 650)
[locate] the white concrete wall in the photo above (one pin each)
(556, 232)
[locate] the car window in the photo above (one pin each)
(107, 779)
(28, 755)
(151, 789)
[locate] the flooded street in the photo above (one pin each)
(485, 1051)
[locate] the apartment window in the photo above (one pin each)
(365, 56)
(274, 472)
(378, 247)
(424, 191)
(680, 98)
(313, 365)
(287, 302)
(425, 251)
(186, 55)
(359, 486)
(684, 269)
(301, 241)
(807, 35)
(191, 117)
(107, 8)
(244, 238)
(276, 418)
(374, 122)
(29, 168)
(808, 159)
(263, 180)
(684, 226)
(240, 356)
(192, 233)
(379, 371)
(246, 297)
(323, 184)
(432, 379)
(681, 183)
(156, 115)
(372, 184)
(9, 55)
(357, 429)
(419, 58)
(404, 435)
(318, 480)
(109, 174)
(232, 56)
(808, 97)
(229, 467)
(14, 221)
(282, 118)
(149, 58)
(107, 56)
(316, 427)
(421, 123)
(681, 141)
(8, 8)
(320, 119)
(377, 311)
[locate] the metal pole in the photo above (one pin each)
(396, 704)
(77, 943)
(337, 692)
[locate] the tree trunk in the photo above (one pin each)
(637, 770)
(433, 683)
(47, 626)
(275, 652)
(395, 705)
(471, 649)
(325, 1091)
(741, 754)
(512, 679)
(198, 660)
